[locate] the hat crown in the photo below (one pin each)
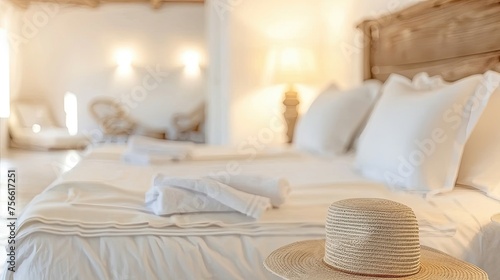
(375, 237)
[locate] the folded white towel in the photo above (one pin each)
(248, 204)
(140, 158)
(166, 200)
(152, 145)
(276, 189)
(146, 150)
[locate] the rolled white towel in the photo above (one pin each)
(276, 189)
(248, 204)
(166, 200)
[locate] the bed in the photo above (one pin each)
(461, 230)
(91, 223)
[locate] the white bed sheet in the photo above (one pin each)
(43, 255)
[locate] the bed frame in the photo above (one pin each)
(451, 38)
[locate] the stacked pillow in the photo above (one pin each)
(480, 167)
(417, 133)
(424, 135)
(334, 118)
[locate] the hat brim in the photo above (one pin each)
(304, 260)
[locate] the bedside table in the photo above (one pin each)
(496, 218)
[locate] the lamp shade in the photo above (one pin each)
(294, 65)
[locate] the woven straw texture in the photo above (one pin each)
(368, 239)
(304, 260)
(357, 232)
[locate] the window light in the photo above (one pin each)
(71, 110)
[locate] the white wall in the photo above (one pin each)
(253, 28)
(218, 95)
(10, 19)
(73, 49)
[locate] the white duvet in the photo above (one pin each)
(92, 223)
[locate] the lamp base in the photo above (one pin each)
(290, 114)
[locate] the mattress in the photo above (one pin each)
(232, 247)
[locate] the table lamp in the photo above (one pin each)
(293, 66)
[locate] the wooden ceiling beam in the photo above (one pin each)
(91, 3)
(156, 4)
(21, 3)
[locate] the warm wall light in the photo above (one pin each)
(4, 75)
(71, 110)
(124, 58)
(36, 128)
(191, 60)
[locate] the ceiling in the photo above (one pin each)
(95, 3)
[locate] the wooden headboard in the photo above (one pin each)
(451, 38)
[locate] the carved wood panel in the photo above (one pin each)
(453, 38)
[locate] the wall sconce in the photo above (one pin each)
(191, 60)
(36, 128)
(4, 75)
(293, 66)
(124, 58)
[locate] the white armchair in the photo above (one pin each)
(32, 126)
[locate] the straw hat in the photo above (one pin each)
(368, 239)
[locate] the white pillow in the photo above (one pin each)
(415, 137)
(420, 81)
(480, 166)
(330, 124)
